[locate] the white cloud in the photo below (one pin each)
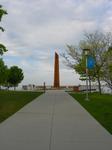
(35, 29)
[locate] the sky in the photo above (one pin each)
(35, 29)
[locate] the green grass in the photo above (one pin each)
(12, 101)
(99, 106)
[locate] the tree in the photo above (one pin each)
(107, 68)
(2, 49)
(2, 13)
(3, 73)
(15, 76)
(98, 43)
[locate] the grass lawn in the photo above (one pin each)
(99, 106)
(12, 101)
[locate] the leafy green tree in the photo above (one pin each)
(2, 49)
(3, 72)
(15, 76)
(107, 68)
(98, 43)
(2, 13)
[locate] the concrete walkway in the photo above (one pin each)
(54, 121)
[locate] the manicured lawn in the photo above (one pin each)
(99, 106)
(12, 101)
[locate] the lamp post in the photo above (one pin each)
(86, 52)
(44, 87)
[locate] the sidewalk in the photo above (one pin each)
(53, 121)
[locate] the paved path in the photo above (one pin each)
(54, 121)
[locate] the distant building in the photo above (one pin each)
(79, 88)
(105, 89)
(76, 89)
(29, 87)
(94, 88)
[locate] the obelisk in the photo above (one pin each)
(56, 71)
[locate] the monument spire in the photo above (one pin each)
(56, 71)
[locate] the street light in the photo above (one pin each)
(44, 87)
(86, 52)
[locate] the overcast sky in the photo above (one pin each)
(36, 28)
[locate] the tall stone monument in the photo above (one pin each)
(56, 71)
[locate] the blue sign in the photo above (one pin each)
(90, 62)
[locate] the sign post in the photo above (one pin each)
(44, 87)
(90, 62)
(87, 98)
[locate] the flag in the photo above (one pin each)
(90, 62)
